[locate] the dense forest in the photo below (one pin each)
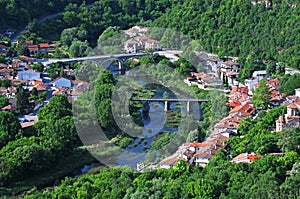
(17, 14)
(238, 28)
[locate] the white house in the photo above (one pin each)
(259, 73)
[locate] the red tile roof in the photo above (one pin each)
(292, 106)
(44, 45)
(233, 103)
(27, 124)
(245, 110)
(246, 158)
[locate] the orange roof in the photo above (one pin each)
(245, 110)
(233, 103)
(244, 157)
(292, 106)
(44, 45)
(27, 124)
(37, 82)
(197, 144)
(297, 103)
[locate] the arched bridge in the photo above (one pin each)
(168, 100)
(99, 59)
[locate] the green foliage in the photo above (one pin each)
(289, 83)
(261, 95)
(238, 28)
(9, 127)
(4, 101)
(5, 83)
(38, 67)
(22, 99)
(79, 48)
(162, 140)
(57, 107)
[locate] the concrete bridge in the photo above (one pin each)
(168, 100)
(99, 59)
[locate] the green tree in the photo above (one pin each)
(261, 95)
(9, 127)
(57, 108)
(22, 99)
(79, 48)
(3, 101)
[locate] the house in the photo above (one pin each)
(169, 161)
(26, 125)
(228, 66)
(40, 88)
(152, 44)
(79, 87)
(5, 72)
(62, 82)
(239, 93)
(205, 154)
(250, 83)
(43, 48)
(3, 49)
(245, 158)
(198, 154)
(29, 75)
(260, 73)
(136, 30)
(228, 124)
(290, 120)
(10, 108)
(243, 110)
(33, 49)
(232, 78)
(131, 46)
(273, 84)
(61, 91)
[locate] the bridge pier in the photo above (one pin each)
(122, 67)
(167, 106)
(188, 107)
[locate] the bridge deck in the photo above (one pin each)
(170, 99)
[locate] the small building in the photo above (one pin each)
(43, 48)
(62, 82)
(290, 120)
(131, 46)
(29, 75)
(3, 49)
(259, 73)
(228, 124)
(245, 158)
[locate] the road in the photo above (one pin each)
(41, 20)
(291, 71)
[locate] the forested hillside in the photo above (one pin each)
(18, 13)
(238, 28)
